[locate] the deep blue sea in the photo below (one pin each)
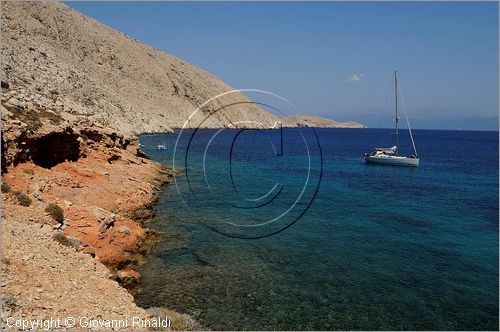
(263, 231)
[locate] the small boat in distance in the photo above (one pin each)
(161, 146)
(390, 156)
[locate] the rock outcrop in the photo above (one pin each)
(54, 58)
(70, 232)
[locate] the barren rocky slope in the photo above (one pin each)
(54, 57)
(102, 187)
(43, 279)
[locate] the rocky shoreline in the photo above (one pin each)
(73, 220)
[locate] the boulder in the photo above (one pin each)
(128, 278)
(123, 230)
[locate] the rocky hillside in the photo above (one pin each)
(56, 59)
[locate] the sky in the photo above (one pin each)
(335, 59)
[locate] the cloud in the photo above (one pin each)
(356, 77)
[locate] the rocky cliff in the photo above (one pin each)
(56, 59)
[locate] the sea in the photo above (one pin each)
(291, 230)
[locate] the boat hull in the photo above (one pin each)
(393, 161)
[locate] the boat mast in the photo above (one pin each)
(397, 115)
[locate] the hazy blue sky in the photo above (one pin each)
(335, 59)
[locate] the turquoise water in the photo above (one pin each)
(357, 246)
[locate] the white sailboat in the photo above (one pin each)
(390, 156)
(161, 146)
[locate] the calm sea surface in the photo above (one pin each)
(299, 233)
